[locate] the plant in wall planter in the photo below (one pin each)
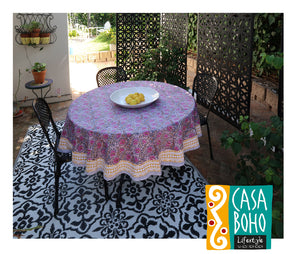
(35, 32)
(39, 72)
(25, 34)
(45, 37)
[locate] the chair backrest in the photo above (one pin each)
(205, 86)
(44, 115)
(110, 75)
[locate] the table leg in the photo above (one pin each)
(35, 93)
(42, 93)
(47, 91)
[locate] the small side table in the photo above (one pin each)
(32, 86)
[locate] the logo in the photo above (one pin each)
(239, 217)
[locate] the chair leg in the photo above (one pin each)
(57, 175)
(106, 190)
(119, 196)
(210, 148)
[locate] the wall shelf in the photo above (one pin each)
(43, 18)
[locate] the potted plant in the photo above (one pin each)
(35, 32)
(25, 34)
(112, 44)
(35, 28)
(45, 37)
(39, 72)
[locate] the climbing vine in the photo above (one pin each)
(267, 43)
(192, 33)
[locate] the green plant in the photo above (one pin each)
(267, 40)
(73, 33)
(107, 36)
(38, 67)
(192, 32)
(26, 28)
(113, 39)
(260, 150)
(34, 25)
(159, 63)
(275, 60)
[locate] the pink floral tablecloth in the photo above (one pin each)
(106, 137)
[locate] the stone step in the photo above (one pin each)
(102, 56)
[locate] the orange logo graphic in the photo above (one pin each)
(217, 217)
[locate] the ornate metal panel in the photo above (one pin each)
(136, 32)
(225, 51)
(175, 27)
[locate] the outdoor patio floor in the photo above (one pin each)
(221, 170)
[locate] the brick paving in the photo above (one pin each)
(221, 170)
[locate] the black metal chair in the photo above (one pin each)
(205, 86)
(106, 76)
(44, 115)
(110, 75)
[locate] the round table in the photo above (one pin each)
(103, 136)
(33, 86)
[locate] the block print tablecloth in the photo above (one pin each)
(105, 137)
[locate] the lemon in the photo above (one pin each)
(135, 98)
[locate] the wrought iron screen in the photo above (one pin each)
(175, 27)
(225, 51)
(138, 32)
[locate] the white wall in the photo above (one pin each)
(56, 56)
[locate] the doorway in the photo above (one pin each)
(91, 37)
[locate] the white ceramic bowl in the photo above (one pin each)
(118, 97)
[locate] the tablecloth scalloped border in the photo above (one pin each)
(137, 172)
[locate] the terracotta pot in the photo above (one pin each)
(35, 34)
(39, 77)
(45, 38)
(25, 35)
(35, 40)
(36, 30)
(44, 35)
(25, 38)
